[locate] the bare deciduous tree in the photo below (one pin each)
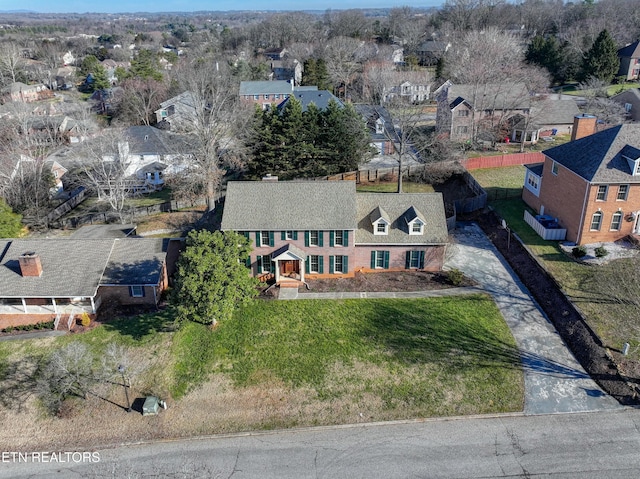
(342, 56)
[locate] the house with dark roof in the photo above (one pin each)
(480, 111)
(320, 98)
(591, 185)
(267, 93)
(306, 230)
(630, 61)
(384, 136)
(59, 279)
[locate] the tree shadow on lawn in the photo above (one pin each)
(456, 344)
(140, 326)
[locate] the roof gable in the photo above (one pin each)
(630, 51)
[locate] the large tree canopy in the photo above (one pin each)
(212, 279)
(296, 144)
(601, 61)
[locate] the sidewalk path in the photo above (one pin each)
(554, 381)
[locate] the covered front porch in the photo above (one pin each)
(54, 306)
(289, 266)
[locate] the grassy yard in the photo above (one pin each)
(599, 291)
(282, 364)
(392, 187)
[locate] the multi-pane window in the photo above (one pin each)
(136, 291)
(601, 195)
(288, 235)
(623, 192)
(338, 264)
(533, 181)
(554, 168)
(381, 227)
(616, 221)
(264, 238)
(256, 97)
(414, 259)
(313, 238)
(596, 221)
(380, 256)
(463, 112)
(416, 227)
(314, 263)
(266, 264)
(337, 238)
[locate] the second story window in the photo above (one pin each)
(264, 238)
(623, 192)
(601, 195)
(313, 238)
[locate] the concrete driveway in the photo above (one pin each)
(554, 381)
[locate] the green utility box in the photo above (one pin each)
(151, 406)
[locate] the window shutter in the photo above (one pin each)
(295, 235)
(306, 265)
(259, 264)
(271, 242)
(407, 261)
(306, 238)
(247, 262)
(373, 260)
(345, 238)
(331, 238)
(421, 260)
(345, 264)
(283, 235)
(331, 265)
(258, 239)
(320, 238)
(386, 260)
(320, 264)
(246, 234)
(131, 291)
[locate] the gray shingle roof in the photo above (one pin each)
(76, 267)
(398, 208)
(506, 96)
(277, 87)
(320, 98)
(598, 158)
(135, 261)
(70, 268)
(147, 140)
(289, 205)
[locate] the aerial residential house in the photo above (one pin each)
(19, 92)
(178, 113)
(286, 70)
(59, 279)
(380, 125)
(306, 230)
(320, 98)
(630, 99)
(267, 93)
(591, 185)
(630, 61)
(480, 112)
(548, 117)
(431, 51)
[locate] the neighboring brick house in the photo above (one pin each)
(630, 61)
(305, 230)
(630, 99)
(590, 185)
(20, 92)
(483, 109)
(45, 279)
(267, 93)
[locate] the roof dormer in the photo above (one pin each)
(379, 126)
(632, 155)
(380, 221)
(415, 221)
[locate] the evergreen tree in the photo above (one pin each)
(212, 279)
(145, 65)
(601, 61)
(546, 52)
(10, 222)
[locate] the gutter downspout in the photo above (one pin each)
(584, 206)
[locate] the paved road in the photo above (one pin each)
(554, 380)
(585, 446)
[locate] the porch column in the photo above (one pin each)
(301, 270)
(277, 271)
(24, 305)
(55, 307)
(93, 305)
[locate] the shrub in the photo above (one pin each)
(455, 277)
(85, 320)
(601, 252)
(579, 251)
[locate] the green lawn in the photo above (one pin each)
(392, 187)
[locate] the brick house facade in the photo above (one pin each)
(590, 185)
(306, 230)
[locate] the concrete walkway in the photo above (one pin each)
(554, 381)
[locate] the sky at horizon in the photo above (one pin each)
(150, 6)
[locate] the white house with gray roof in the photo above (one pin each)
(305, 230)
(46, 279)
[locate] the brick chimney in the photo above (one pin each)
(583, 125)
(30, 264)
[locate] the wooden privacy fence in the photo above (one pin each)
(499, 161)
(130, 213)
